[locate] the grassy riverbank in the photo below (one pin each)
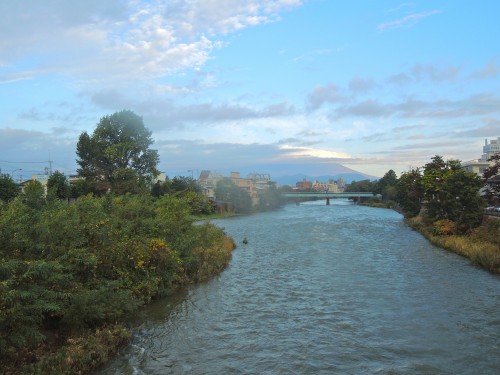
(71, 275)
(481, 245)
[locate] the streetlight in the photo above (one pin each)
(15, 170)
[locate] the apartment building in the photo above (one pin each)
(478, 166)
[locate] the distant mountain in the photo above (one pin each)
(291, 180)
(291, 173)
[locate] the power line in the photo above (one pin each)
(26, 162)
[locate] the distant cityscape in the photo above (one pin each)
(255, 183)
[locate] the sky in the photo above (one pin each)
(267, 86)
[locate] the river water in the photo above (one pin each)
(339, 289)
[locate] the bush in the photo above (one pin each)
(68, 268)
(444, 227)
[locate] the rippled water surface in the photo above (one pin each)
(318, 289)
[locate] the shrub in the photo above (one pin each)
(444, 227)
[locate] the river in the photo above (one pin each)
(339, 289)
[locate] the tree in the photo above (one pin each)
(465, 204)
(451, 193)
(8, 188)
(58, 185)
(236, 198)
(117, 155)
(436, 172)
(34, 194)
(491, 178)
(361, 186)
(184, 184)
(271, 198)
(409, 192)
(387, 186)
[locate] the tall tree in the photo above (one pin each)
(436, 172)
(8, 188)
(451, 193)
(464, 203)
(387, 185)
(410, 193)
(117, 155)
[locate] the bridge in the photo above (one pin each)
(328, 196)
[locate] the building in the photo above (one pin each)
(42, 178)
(304, 185)
(331, 186)
(208, 181)
(478, 166)
(248, 184)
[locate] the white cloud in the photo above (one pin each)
(299, 151)
(101, 43)
(407, 21)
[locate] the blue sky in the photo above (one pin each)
(280, 87)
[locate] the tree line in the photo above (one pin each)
(440, 190)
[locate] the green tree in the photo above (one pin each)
(235, 198)
(58, 185)
(387, 186)
(361, 186)
(436, 172)
(271, 198)
(464, 203)
(451, 193)
(409, 192)
(184, 184)
(34, 194)
(117, 155)
(491, 178)
(8, 188)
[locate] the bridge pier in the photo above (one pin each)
(327, 201)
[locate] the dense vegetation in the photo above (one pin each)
(443, 201)
(67, 269)
(70, 274)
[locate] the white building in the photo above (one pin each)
(479, 165)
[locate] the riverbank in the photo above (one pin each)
(91, 349)
(481, 245)
(73, 275)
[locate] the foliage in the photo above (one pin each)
(8, 188)
(491, 178)
(409, 193)
(445, 227)
(236, 199)
(445, 190)
(58, 185)
(117, 156)
(187, 189)
(76, 267)
(361, 186)
(387, 186)
(34, 194)
(451, 193)
(271, 198)
(82, 354)
(478, 246)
